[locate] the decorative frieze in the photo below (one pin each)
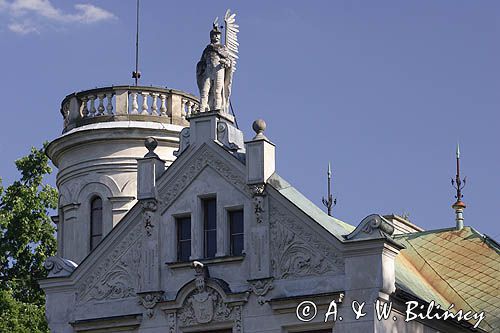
(172, 322)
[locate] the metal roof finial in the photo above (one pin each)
(329, 202)
(458, 184)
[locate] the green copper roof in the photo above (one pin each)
(451, 266)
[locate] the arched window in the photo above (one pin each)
(95, 222)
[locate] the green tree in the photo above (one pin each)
(27, 238)
(20, 317)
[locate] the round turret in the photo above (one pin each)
(103, 135)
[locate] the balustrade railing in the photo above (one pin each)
(128, 103)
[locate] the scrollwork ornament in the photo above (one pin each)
(149, 208)
(113, 276)
(65, 113)
(257, 189)
(296, 251)
(372, 226)
(149, 301)
(57, 266)
(260, 288)
(184, 141)
(149, 205)
(258, 201)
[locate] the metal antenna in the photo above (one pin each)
(136, 75)
(330, 201)
(458, 184)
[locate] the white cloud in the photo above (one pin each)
(28, 16)
(38, 7)
(22, 28)
(90, 14)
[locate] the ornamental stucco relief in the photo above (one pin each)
(115, 276)
(171, 191)
(204, 305)
(296, 251)
(260, 287)
(258, 201)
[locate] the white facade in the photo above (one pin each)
(133, 281)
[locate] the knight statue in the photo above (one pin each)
(214, 71)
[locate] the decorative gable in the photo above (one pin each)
(297, 250)
(115, 275)
(186, 172)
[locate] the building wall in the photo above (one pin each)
(96, 161)
(132, 281)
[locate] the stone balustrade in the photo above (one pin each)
(118, 103)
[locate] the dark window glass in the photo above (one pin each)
(210, 227)
(236, 232)
(95, 222)
(183, 238)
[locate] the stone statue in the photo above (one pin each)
(214, 71)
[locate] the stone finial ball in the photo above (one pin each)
(259, 126)
(150, 143)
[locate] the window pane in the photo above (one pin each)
(236, 221)
(210, 243)
(183, 238)
(185, 228)
(237, 245)
(184, 251)
(210, 213)
(236, 232)
(95, 222)
(210, 227)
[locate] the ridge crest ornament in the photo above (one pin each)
(214, 71)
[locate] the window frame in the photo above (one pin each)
(230, 230)
(96, 238)
(179, 240)
(206, 231)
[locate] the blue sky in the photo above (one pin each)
(382, 89)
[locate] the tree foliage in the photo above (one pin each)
(20, 317)
(27, 238)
